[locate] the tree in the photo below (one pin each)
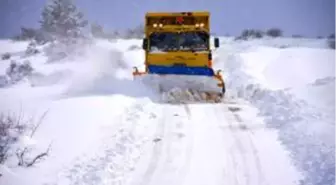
(331, 36)
(274, 32)
(331, 44)
(62, 19)
(331, 41)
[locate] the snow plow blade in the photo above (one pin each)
(182, 88)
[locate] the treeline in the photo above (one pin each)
(62, 20)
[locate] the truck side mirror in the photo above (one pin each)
(216, 42)
(145, 43)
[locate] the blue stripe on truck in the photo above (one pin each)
(180, 70)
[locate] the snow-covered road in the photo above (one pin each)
(195, 144)
(215, 144)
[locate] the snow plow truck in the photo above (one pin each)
(178, 57)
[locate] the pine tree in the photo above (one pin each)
(62, 19)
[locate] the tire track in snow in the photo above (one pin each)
(188, 150)
(209, 159)
(170, 157)
(238, 142)
(261, 156)
(243, 130)
(156, 152)
(233, 157)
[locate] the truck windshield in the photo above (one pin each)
(185, 41)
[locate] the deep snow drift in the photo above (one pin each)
(107, 129)
(294, 90)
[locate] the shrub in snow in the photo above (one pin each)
(331, 43)
(16, 71)
(12, 130)
(331, 36)
(274, 32)
(283, 46)
(250, 33)
(31, 49)
(324, 81)
(246, 34)
(134, 47)
(258, 34)
(5, 56)
(3, 80)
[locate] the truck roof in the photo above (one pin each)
(194, 13)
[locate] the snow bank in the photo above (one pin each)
(286, 68)
(274, 80)
(283, 42)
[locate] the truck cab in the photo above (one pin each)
(178, 44)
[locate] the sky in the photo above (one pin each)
(310, 18)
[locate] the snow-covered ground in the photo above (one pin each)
(276, 126)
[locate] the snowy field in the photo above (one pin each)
(276, 126)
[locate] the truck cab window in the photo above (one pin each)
(185, 41)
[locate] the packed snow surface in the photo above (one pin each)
(276, 125)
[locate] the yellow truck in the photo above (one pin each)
(178, 54)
